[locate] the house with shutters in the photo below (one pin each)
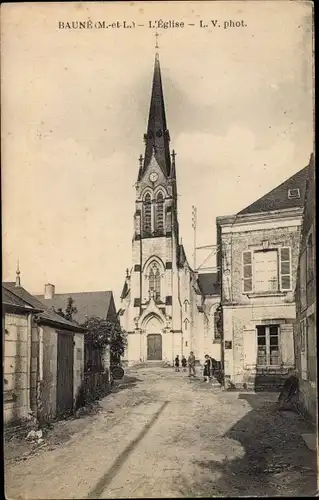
(306, 303)
(257, 257)
(167, 308)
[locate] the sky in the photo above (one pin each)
(75, 107)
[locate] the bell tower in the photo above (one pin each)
(154, 303)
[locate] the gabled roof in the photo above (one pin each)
(100, 304)
(157, 136)
(10, 299)
(208, 283)
(46, 314)
(277, 198)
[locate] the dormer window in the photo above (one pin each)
(293, 194)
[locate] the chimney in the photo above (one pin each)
(49, 291)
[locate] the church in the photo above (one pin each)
(167, 308)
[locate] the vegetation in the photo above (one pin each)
(69, 311)
(102, 333)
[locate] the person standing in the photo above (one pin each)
(177, 363)
(191, 364)
(207, 368)
(184, 363)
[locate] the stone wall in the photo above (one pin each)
(16, 368)
(236, 243)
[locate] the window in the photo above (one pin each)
(186, 305)
(309, 259)
(147, 213)
(293, 194)
(267, 270)
(186, 324)
(160, 212)
(155, 282)
(268, 353)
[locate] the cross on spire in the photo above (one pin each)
(156, 42)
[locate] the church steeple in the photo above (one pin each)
(157, 137)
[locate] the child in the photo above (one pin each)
(177, 363)
(184, 363)
(207, 366)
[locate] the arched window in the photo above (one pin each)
(160, 212)
(186, 324)
(147, 213)
(186, 305)
(155, 282)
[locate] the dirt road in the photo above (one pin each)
(160, 434)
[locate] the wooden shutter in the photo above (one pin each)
(287, 344)
(285, 268)
(250, 348)
(247, 272)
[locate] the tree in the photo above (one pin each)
(103, 332)
(70, 309)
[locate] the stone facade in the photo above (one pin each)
(31, 357)
(16, 366)
(258, 324)
(306, 332)
(163, 309)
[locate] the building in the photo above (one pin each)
(100, 304)
(43, 357)
(306, 302)
(162, 308)
(19, 384)
(97, 362)
(258, 251)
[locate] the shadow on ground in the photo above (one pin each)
(276, 461)
(128, 382)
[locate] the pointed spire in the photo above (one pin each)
(18, 280)
(157, 137)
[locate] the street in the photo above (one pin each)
(161, 434)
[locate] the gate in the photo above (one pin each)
(154, 347)
(64, 374)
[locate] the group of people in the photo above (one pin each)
(209, 366)
(184, 362)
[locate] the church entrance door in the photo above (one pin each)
(154, 347)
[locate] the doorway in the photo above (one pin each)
(154, 347)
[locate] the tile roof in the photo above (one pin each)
(46, 314)
(98, 304)
(208, 283)
(9, 298)
(277, 198)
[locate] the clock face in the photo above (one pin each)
(153, 177)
